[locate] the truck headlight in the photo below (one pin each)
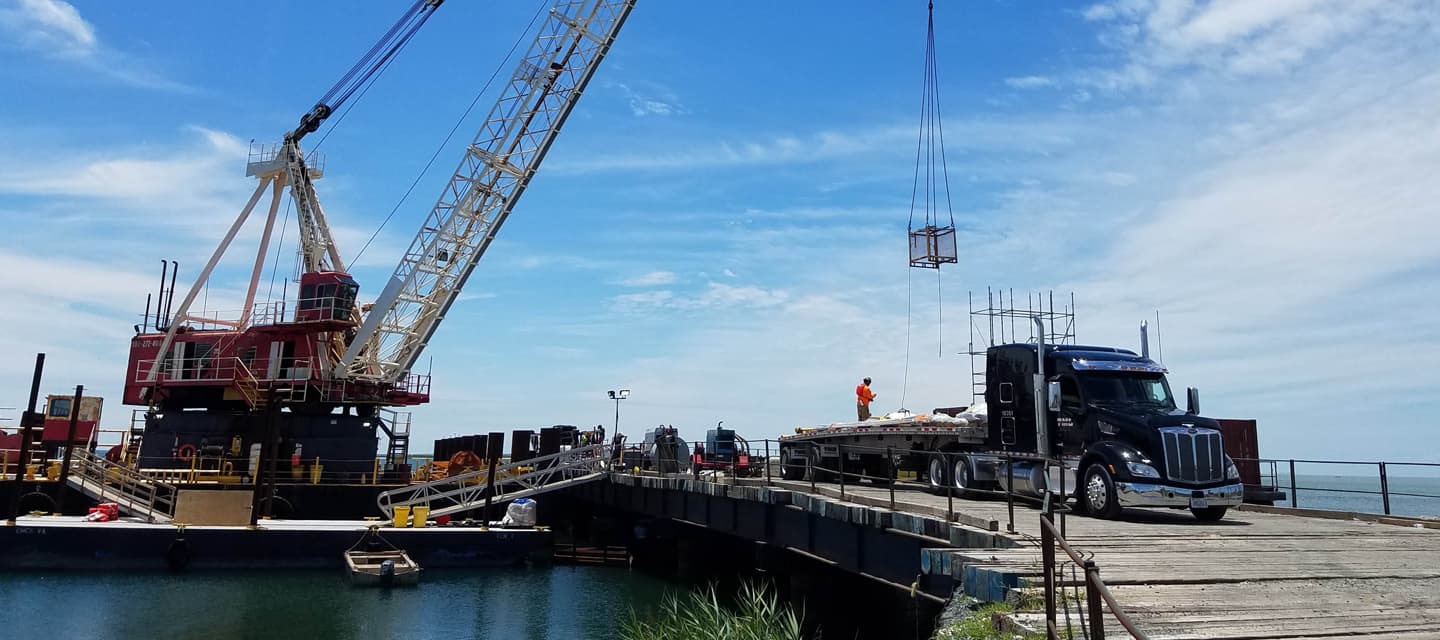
(1231, 472)
(1142, 470)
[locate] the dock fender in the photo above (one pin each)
(177, 555)
(1114, 454)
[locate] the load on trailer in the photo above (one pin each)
(1096, 423)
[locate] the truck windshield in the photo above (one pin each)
(1127, 388)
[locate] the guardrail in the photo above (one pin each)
(1382, 474)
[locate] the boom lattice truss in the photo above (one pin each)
(494, 172)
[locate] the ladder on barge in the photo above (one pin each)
(135, 493)
(513, 480)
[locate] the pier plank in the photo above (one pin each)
(1252, 575)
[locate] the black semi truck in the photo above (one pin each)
(1098, 424)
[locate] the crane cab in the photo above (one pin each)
(326, 295)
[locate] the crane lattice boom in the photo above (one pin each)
(494, 172)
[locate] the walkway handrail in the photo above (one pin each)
(137, 493)
(512, 480)
(1095, 589)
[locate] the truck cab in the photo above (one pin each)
(1112, 419)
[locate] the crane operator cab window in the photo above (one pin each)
(326, 295)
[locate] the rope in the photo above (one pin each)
(449, 135)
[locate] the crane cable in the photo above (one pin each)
(441, 147)
(930, 139)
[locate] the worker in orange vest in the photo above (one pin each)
(863, 396)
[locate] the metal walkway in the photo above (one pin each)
(512, 480)
(135, 493)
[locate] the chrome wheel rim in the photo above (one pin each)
(937, 469)
(1095, 494)
(962, 475)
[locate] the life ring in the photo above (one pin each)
(186, 452)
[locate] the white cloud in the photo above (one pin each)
(55, 29)
(1237, 36)
(715, 296)
(1030, 82)
(51, 26)
(728, 273)
(651, 279)
(661, 102)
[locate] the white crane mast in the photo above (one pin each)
(494, 172)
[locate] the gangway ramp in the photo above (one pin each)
(513, 480)
(135, 493)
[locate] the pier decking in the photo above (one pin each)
(1251, 575)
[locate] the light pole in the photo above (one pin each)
(617, 396)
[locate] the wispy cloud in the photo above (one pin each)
(1030, 82)
(1237, 37)
(716, 295)
(54, 29)
(651, 279)
(656, 101)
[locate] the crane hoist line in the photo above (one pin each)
(327, 350)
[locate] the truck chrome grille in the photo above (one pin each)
(1193, 455)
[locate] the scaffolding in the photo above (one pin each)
(1002, 321)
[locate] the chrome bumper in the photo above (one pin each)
(1136, 494)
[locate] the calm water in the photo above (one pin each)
(514, 604)
(1337, 492)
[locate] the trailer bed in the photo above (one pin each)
(920, 425)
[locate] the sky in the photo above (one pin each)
(721, 226)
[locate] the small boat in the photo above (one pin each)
(388, 568)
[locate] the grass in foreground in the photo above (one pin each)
(757, 614)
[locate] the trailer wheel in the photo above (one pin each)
(939, 479)
(1209, 514)
(1099, 492)
(965, 484)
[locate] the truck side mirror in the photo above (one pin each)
(1192, 401)
(1052, 395)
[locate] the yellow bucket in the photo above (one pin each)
(421, 514)
(402, 516)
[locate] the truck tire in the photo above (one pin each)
(1098, 491)
(937, 473)
(1209, 514)
(964, 478)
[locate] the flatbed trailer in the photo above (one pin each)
(879, 449)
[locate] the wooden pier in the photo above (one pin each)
(1251, 575)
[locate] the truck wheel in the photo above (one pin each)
(789, 470)
(1209, 514)
(1099, 492)
(965, 484)
(939, 479)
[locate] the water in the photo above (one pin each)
(1334, 492)
(514, 604)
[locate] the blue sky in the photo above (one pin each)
(721, 226)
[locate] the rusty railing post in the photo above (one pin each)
(1047, 554)
(1092, 601)
(767, 462)
(1384, 488)
(949, 487)
(1010, 491)
(810, 464)
(890, 465)
(1294, 499)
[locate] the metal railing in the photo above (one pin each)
(501, 482)
(135, 492)
(1097, 596)
(1281, 473)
